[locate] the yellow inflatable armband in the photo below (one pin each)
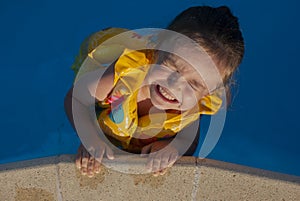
(104, 47)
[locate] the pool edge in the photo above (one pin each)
(189, 179)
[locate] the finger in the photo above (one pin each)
(173, 158)
(78, 158)
(97, 167)
(99, 155)
(109, 153)
(156, 163)
(146, 150)
(163, 171)
(84, 162)
(90, 167)
(149, 164)
(164, 161)
(156, 174)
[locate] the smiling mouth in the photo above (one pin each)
(165, 94)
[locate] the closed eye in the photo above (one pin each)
(195, 85)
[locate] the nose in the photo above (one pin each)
(173, 78)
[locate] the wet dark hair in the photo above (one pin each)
(216, 30)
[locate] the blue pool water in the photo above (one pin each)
(39, 40)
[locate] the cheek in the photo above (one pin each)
(190, 98)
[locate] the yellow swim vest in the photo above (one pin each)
(119, 117)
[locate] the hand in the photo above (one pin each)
(159, 161)
(89, 165)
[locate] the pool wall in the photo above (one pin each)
(56, 178)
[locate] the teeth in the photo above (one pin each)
(165, 94)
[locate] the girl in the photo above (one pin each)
(170, 90)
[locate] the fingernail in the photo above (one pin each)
(155, 175)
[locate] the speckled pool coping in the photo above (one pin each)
(56, 178)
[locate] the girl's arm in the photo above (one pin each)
(83, 95)
(91, 88)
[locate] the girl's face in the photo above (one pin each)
(174, 84)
